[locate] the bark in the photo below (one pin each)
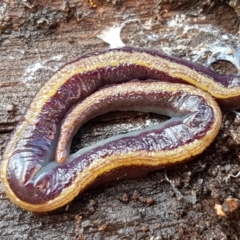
(38, 37)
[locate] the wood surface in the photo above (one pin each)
(38, 37)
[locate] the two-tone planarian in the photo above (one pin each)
(39, 174)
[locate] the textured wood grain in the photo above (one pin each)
(38, 37)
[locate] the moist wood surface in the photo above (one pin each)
(38, 37)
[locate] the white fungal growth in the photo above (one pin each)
(111, 35)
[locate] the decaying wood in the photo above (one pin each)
(37, 37)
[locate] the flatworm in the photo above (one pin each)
(36, 182)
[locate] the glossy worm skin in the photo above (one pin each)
(36, 182)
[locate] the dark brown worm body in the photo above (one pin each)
(32, 178)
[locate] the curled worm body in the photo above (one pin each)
(36, 182)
